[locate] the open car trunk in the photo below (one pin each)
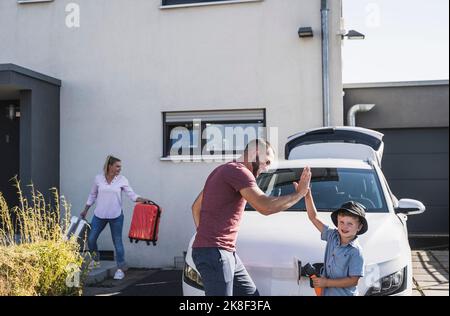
(336, 142)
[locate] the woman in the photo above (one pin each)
(107, 192)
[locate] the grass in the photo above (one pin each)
(36, 259)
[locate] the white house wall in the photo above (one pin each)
(129, 61)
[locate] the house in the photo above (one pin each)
(125, 76)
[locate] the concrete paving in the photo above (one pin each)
(430, 277)
(111, 287)
(104, 271)
(430, 273)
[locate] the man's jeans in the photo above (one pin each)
(223, 273)
(116, 226)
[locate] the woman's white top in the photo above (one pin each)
(109, 196)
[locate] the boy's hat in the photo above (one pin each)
(355, 208)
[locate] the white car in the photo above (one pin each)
(346, 165)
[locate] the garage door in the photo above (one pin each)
(416, 166)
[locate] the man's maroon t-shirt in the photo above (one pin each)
(223, 206)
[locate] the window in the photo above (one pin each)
(200, 2)
(211, 133)
(32, 1)
(174, 2)
(331, 187)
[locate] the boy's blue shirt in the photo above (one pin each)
(341, 262)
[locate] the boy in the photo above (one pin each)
(344, 262)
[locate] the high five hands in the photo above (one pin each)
(302, 186)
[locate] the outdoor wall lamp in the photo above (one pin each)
(305, 32)
(11, 112)
(354, 35)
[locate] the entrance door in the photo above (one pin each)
(9, 150)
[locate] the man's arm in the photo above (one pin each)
(196, 207)
(268, 205)
(312, 212)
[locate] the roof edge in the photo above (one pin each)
(30, 73)
(396, 84)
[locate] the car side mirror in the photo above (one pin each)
(410, 207)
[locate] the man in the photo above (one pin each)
(217, 213)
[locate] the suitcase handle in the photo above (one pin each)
(150, 202)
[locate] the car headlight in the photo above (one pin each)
(388, 285)
(192, 277)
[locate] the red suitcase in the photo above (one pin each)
(145, 223)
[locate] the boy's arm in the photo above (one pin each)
(312, 212)
(336, 283)
(356, 271)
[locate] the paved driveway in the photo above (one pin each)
(430, 273)
(430, 269)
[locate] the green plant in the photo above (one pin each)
(35, 256)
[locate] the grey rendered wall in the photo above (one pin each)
(40, 133)
(401, 107)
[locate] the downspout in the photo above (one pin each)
(325, 62)
(358, 108)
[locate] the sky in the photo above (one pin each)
(406, 40)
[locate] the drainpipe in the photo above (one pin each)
(358, 108)
(325, 62)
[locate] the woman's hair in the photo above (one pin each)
(110, 160)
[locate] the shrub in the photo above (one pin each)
(35, 257)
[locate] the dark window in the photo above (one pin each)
(211, 132)
(173, 2)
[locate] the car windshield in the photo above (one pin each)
(331, 187)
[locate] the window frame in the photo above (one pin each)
(168, 4)
(32, 1)
(167, 125)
